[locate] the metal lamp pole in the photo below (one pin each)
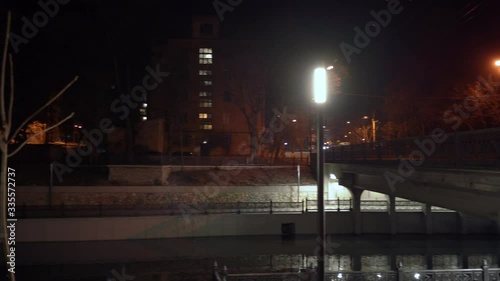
(320, 90)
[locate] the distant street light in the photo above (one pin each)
(320, 92)
(497, 62)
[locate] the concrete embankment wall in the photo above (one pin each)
(124, 228)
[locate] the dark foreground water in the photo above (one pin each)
(192, 259)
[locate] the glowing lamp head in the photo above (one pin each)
(497, 62)
(320, 85)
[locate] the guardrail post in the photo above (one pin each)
(486, 273)
(338, 204)
(271, 207)
(238, 207)
(302, 206)
(350, 204)
(224, 273)
(400, 272)
(214, 272)
(306, 204)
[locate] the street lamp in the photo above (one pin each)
(320, 92)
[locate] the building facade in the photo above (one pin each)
(213, 99)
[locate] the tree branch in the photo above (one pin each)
(39, 133)
(44, 106)
(2, 78)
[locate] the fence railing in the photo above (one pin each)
(165, 159)
(206, 208)
(479, 147)
(309, 274)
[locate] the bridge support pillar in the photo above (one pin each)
(356, 262)
(428, 218)
(356, 209)
(463, 222)
(393, 214)
(498, 223)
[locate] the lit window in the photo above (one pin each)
(144, 118)
(206, 103)
(205, 72)
(205, 50)
(205, 118)
(206, 94)
(145, 105)
(142, 111)
(206, 83)
(206, 127)
(205, 56)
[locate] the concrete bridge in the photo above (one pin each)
(458, 171)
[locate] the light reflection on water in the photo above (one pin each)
(152, 259)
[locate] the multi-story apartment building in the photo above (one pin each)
(213, 100)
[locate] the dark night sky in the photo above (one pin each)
(434, 42)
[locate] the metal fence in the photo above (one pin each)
(459, 149)
(206, 208)
(165, 159)
(481, 274)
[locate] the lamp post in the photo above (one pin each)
(320, 90)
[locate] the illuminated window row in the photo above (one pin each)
(205, 50)
(205, 61)
(206, 83)
(205, 115)
(206, 127)
(205, 94)
(205, 72)
(205, 56)
(205, 103)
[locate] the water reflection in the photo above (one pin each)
(182, 258)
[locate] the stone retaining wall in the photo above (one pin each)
(144, 195)
(139, 175)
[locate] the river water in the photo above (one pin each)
(193, 258)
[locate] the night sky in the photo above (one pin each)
(430, 43)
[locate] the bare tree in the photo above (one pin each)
(7, 132)
(480, 107)
(248, 93)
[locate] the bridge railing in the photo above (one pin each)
(206, 208)
(485, 273)
(479, 147)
